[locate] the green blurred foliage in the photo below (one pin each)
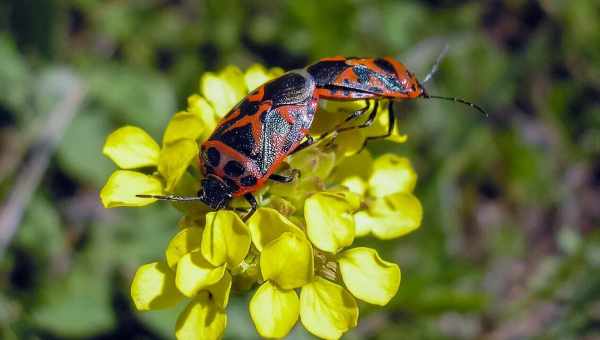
(509, 246)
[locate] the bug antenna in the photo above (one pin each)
(462, 101)
(171, 197)
(435, 66)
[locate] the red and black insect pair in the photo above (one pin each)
(272, 122)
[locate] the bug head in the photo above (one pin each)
(214, 192)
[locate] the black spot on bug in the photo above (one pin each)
(290, 88)
(385, 65)
(240, 139)
(248, 181)
(213, 156)
(234, 169)
(325, 72)
(248, 108)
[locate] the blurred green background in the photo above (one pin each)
(509, 247)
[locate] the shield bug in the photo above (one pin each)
(252, 140)
(272, 122)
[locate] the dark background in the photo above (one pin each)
(509, 247)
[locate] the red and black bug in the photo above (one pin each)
(272, 122)
(254, 138)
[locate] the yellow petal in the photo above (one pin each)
(267, 224)
(297, 190)
(329, 221)
(153, 287)
(355, 184)
(287, 261)
(349, 142)
(353, 199)
(363, 223)
(123, 185)
(220, 291)
(313, 162)
(255, 76)
(226, 239)
(282, 205)
(174, 160)
(327, 310)
(201, 108)
(367, 276)
(391, 216)
(392, 174)
(397, 137)
(131, 147)
(186, 241)
(225, 90)
(201, 319)
(195, 273)
(183, 125)
(274, 311)
(358, 165)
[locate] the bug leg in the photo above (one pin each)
(366, 123)
(253, 205)
(391, 125)
(285, 179)
(358, 113)
(308, 142)
(171, 197)
(354, 115)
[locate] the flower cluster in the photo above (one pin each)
(296, 248)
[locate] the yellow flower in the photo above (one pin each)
(131, 148)
(287, 261)
(297, 247)
(329, 221)
(202, 319)
(187, 273)
(326, 309)
(153, 287)
(386, 185)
